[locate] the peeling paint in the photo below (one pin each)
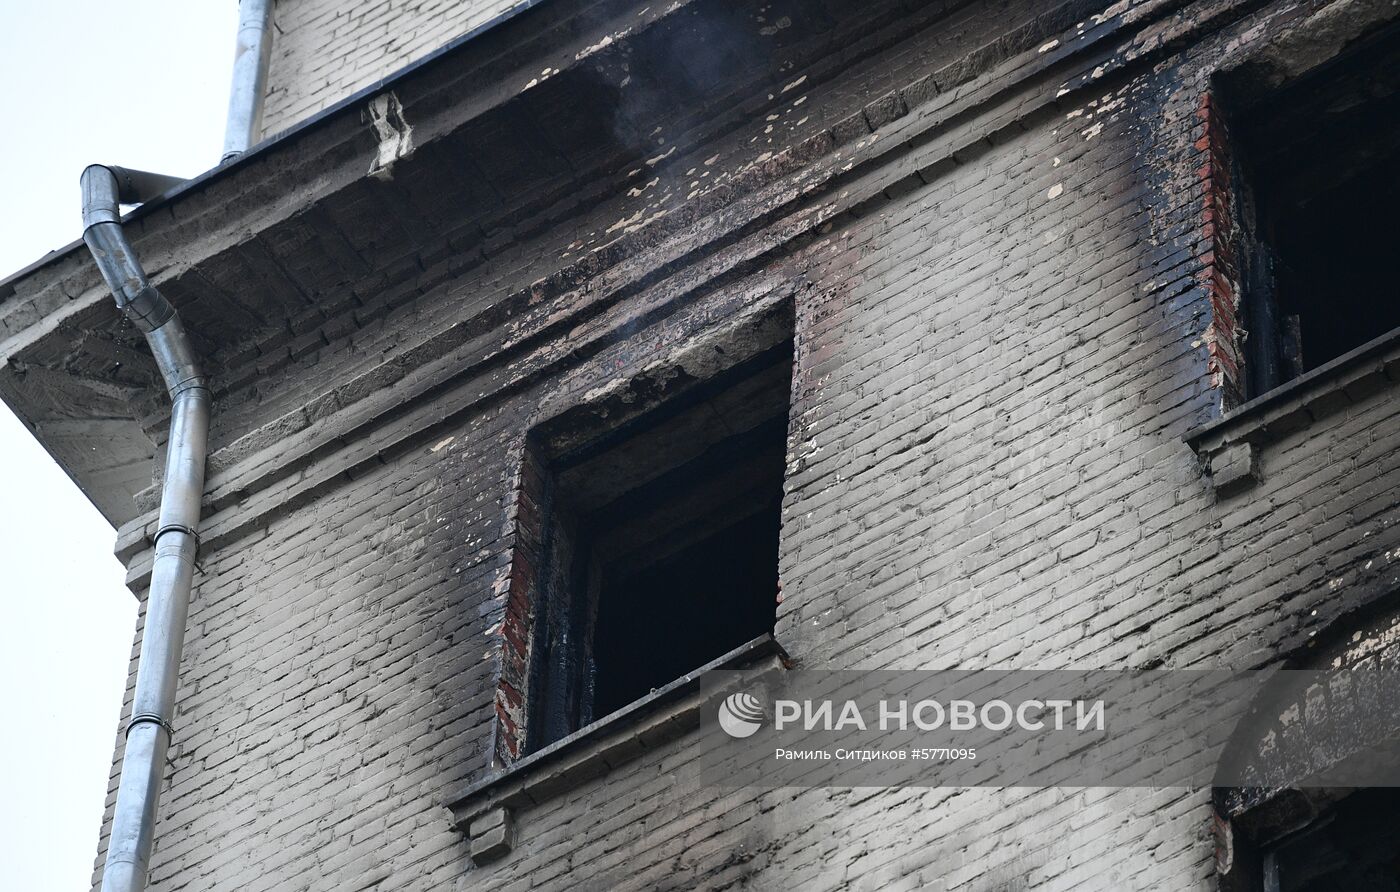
(395, 135)
(607, 41)
(652, 162)
(795, 84)
(638, 190)
(779, 25)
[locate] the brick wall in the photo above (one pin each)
(1002, 307)
(1221, 244)
(325, 50)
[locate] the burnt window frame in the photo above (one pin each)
(1282, 820)
(1254, 350)
(529, 716)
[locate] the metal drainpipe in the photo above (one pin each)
(245, 100)
(176, 539)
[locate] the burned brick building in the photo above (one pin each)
(1004, 334)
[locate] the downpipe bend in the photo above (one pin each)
(149, 732)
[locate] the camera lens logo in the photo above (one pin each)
(741, 715)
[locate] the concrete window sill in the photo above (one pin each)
(484, 810)
(1229, 447)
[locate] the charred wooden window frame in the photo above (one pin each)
(1249, 824)
(532, 583)
(1250, 353)
(1241, 268)
(1247, 844)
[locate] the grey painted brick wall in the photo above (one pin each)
(997, 362)
(325, 50)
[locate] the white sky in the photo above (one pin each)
(140, 83)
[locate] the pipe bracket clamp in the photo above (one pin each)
(176, 528)
(150, 718)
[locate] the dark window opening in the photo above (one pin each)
(1317, 170)
(659, 547)
(1351, 847)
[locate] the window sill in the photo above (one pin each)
(484, 810)
(1229, 446)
